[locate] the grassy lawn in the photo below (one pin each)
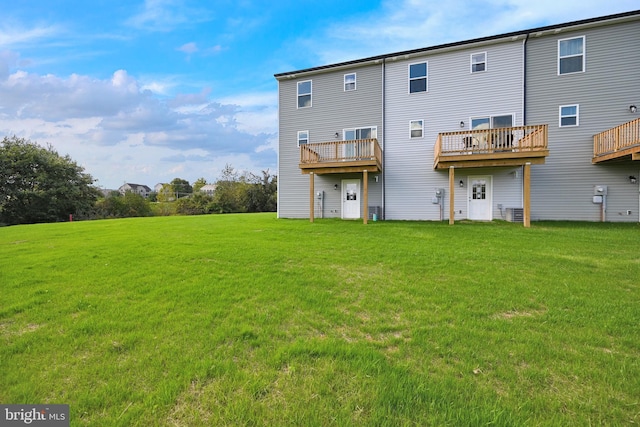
(250, 320)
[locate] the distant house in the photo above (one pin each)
(158, 187)
(142, 190)
(208, 189)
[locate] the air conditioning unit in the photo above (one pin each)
(515, 214)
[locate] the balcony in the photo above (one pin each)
(512, 146)
(618, 143)
(341, 156)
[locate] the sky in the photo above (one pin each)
(148, 91)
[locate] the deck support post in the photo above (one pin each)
(365, 197)
(312, 197)
(452, 187)
(526, 215)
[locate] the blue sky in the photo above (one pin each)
(147, 91)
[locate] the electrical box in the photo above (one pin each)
(319, 195)
(599, 190)
(597, 200)
(435, 200)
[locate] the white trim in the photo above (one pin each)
(355, 82)
(310, 94)
(471, 63)
(583, 54)
(421, 129)
(307, 138)
(577, 115)
(426, 77)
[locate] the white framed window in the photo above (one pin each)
(418, 77)
(569, 115)
(571, 55)
(360, 133)
(349, 82)
(478, 62)
(493, 122)
(303, 137)
(416, 128)
(304, 94)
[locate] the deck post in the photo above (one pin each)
(527, 195)
(311, 196)
(452, 187)
(365, 197)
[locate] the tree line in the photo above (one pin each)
(39, 185)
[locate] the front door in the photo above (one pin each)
(479, 192)
(350, 198)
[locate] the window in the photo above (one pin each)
(416, 128)
(418, 77)
(478, 62)
(360, 133)
(571, 55)
(349, 82)
(303, 137)
(569, 115)
(304, 94)
(493, 122)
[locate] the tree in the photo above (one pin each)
(262, 193)
(200, 182)
(180, 187)
(39, 185)
(230, 192)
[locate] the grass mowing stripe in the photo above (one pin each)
(246, 319)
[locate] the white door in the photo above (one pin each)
(480, 196)
(350, 198)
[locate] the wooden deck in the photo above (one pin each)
(618, 143)
(341, 157)
(512, 146)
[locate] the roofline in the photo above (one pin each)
(378, 58)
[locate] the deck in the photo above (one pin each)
(510, 146)
(618, 143)
(341, 157)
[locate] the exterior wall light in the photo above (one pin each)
(632, 179)
(633, 108)
(461, 183)
(461, 124)
(337, 135)
(335, 187)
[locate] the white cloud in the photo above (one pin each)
(412, 24)
(119, 131)
(166, 15)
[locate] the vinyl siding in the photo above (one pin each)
(563, 187)
(454, 95)
(332, 110)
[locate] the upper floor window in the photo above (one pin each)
(360, 133)
(569, 115)
(493, 122)
(304, 94)
(416, 128)
(303, 137)
(571, 55)
(478, 62)
(418, 74)
(349, 82)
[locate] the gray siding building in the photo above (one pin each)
(536, 124)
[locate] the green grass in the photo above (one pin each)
(250, 320)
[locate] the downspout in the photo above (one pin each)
(384, 139)
(524, 81)
(524, 104)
